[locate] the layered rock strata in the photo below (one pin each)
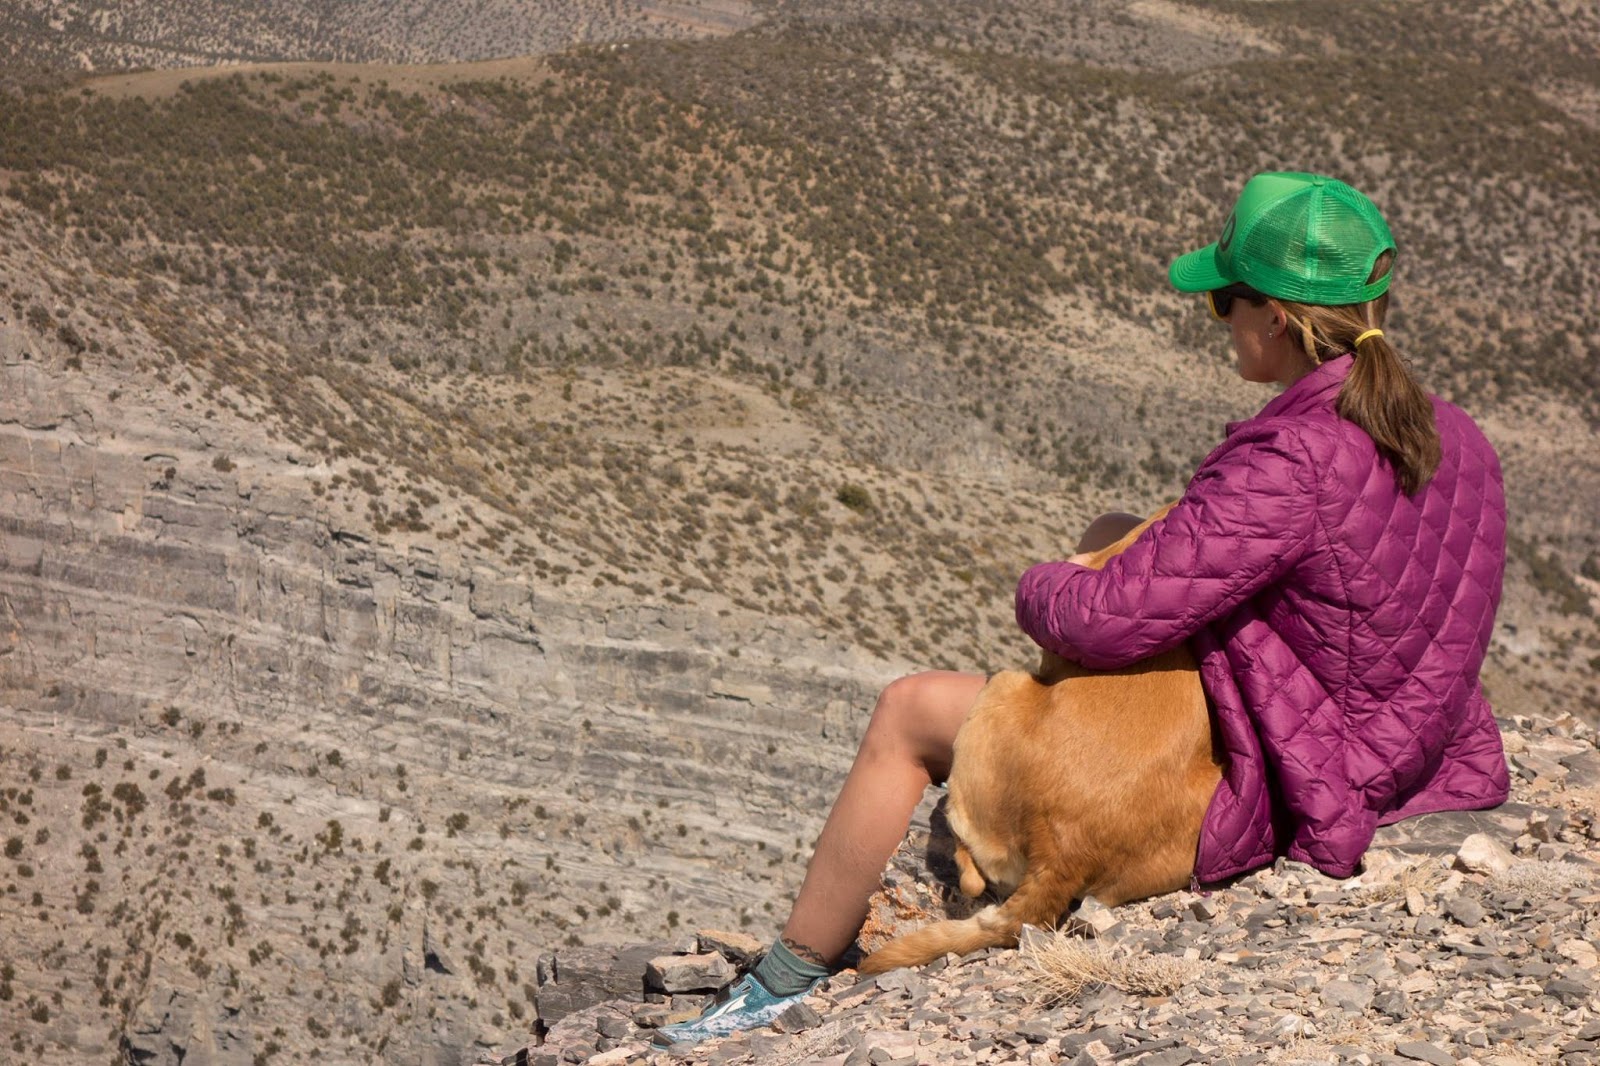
(272, 783)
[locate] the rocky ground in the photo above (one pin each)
(1467, 938)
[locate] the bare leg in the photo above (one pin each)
(907, 746)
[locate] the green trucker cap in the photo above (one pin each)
(1301, 237)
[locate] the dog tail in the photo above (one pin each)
(986, 929)
(1037, 901)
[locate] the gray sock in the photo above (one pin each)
(786, 974)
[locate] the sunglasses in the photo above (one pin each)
(1221, 300)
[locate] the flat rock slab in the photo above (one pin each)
(705, 972)
(1443, 833)
(573, 979)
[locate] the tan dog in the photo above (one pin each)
(1069, 783)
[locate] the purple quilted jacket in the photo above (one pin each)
(1339, 626)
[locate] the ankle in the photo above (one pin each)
(785, 972)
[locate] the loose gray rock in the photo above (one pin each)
(1422, 1051)
(1465, 910)
(1093, 918)
(1482, 854)
(739, 948)
(1347, 995)
(1393, 1002)
(1172, 1057)
(1537, 767)
(1572, 992)
(797, 1019)
(689, 973)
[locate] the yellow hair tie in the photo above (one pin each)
(1364, 336)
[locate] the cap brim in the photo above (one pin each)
(1197, 271)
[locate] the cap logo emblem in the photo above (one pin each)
(1227, 232)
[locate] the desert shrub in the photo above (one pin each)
(854, 496)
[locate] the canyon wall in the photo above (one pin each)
(555, 765)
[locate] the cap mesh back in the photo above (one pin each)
(1296, 236)
(1315, 246)
(1276, 242)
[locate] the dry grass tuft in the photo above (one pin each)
(1423, 876)
(1540, 880)
(1065, 966)
(1330, 1039)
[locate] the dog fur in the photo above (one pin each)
(1069, 783)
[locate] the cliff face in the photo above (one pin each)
(267, 770)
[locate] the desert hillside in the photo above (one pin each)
(98, 35)
(466, 475)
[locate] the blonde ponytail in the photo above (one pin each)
(1382, 397)
(1379, 394)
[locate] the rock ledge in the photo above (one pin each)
(1467, 938)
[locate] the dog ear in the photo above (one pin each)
(1052, 667)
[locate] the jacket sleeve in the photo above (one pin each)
(1244, 522)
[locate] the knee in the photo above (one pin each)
(1107, 530)
(913, 723)
(895, 716)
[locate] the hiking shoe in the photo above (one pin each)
(745, 1004)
